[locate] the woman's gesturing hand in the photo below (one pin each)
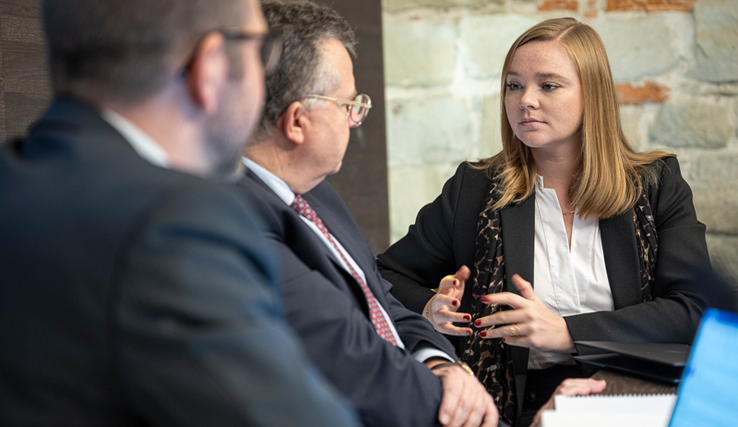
(529, 324)
(441, 309)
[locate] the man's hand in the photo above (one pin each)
(441, 309)
(530, 324)
(465, 401)
(570, 387)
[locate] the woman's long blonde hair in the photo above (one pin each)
(611, 176)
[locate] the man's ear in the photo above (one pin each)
(295, 122)
(208, 72)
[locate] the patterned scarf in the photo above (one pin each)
(491, 359)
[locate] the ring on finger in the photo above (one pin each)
(515, 330)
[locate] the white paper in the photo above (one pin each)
(609, 411)
(640, 404)
(589, 419)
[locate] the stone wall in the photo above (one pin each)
(675, 63)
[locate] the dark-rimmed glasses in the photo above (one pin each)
(271, 46)
(270, 52)
(358, 108)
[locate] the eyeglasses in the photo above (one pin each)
(358, 108)
(271, 47)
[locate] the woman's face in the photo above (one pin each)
(544, 98)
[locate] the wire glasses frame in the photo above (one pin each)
(358, 108)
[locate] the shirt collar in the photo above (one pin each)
(144, 145)
(539, 181)
(272, 181)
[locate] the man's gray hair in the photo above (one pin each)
(128, 49)
(302, 25)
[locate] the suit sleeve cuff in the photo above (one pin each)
(424, 354)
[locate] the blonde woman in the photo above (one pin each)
(608, 236)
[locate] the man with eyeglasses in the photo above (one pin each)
(388, 361)
(134, 287)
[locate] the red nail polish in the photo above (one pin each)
(477, 322)
(455, 303)
(483, 334)
(504, 340)
(468, 333)
(467, 318)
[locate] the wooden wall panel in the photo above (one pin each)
(25, 90)
(2, 99)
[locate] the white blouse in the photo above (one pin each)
(567, 281)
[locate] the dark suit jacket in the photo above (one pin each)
(443, 239)
(329, 312)
(136, 295)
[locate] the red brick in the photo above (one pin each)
(649, 92)
(591, 11)
(549, 5)
(650, 5)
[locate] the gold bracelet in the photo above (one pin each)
(466, 368)
(460, 364)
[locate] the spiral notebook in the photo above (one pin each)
(652, 410)
(708, 393)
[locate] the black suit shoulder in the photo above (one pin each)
(415, 331)
(441, 240)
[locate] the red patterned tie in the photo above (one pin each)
(380, 322)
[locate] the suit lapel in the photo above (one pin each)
(318, 243)
(345, 232)
(339, 229)
(621, 259)
(518, 241)
(306, 244)
(618, 244)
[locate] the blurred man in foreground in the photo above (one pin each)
(133, 290)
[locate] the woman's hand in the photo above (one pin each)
(441, 309)
(529, 324)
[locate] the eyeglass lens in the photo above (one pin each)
(271, 51)
(359, 112)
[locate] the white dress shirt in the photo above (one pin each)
(144, 145)
(283, 191)
(567, 281)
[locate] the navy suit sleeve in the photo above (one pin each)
(200, 333)
(416, 332)
(387, 386)
(675, 312)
